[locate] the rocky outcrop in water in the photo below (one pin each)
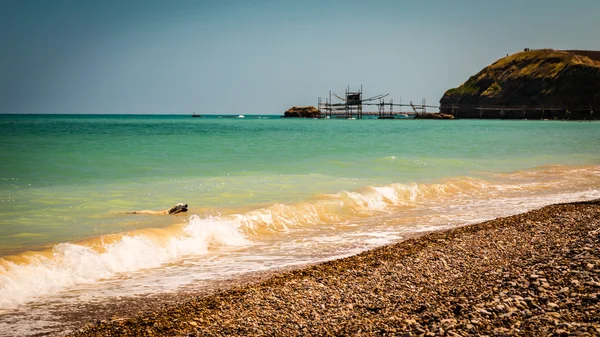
(303, 112)
(542, 83)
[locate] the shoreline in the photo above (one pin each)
(535, 273)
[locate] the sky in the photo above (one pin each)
(262, 56)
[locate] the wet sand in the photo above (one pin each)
(533, 274)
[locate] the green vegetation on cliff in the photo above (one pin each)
(533, 78)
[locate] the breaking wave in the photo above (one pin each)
(29, 275)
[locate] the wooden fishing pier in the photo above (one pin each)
(520, 112)
(351, 106)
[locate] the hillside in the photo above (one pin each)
(558, 81)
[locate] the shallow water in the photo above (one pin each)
(264, 193)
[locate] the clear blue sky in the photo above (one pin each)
(262, 56)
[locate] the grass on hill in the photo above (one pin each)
(537, 64)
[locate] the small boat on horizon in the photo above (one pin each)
(196, 115)
(241, 116)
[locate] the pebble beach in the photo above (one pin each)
(533, 274)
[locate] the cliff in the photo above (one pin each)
(303, 112)
(542, 83)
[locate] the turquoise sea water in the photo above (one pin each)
(262, 189)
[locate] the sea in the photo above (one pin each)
(265, 193)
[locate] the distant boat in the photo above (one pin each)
(196, 115)
(241, 116)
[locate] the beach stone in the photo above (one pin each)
(406, 289)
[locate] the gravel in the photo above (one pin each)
(533, 274)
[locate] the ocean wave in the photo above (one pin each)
(29, 275)
(32, 274)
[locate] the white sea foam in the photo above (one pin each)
(71, 264)
(454, 202)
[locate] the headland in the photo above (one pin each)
(533, 84)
